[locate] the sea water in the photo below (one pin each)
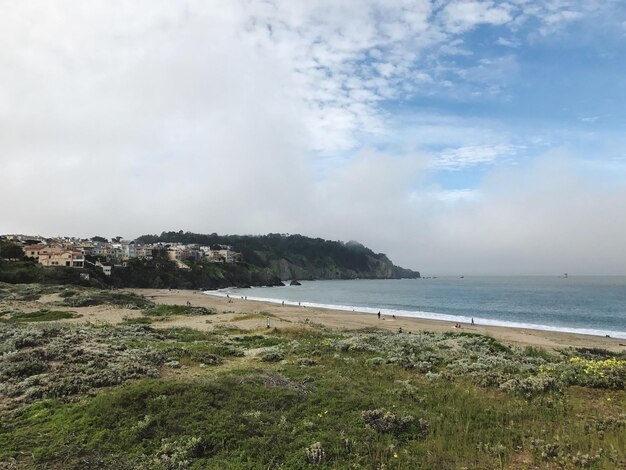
(593, 305)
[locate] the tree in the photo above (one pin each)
(99, 239)
(10, 250)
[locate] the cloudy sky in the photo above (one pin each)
(456, 136)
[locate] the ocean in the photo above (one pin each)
(593, 305)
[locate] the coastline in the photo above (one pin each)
(292, 315)
(423, 315)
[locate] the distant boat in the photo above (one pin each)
(565, 275)
(461, 277)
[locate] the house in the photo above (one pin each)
(143, 251)
(58, 256)
(32, 251)
(224, 255)
(107, 269)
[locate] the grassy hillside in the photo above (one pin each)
(297, 256)
(302, 396)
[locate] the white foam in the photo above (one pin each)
(426, 315)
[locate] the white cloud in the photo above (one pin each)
(251, 116)
(508, 42)
(462, 157)
(590, 119)
(462, 15)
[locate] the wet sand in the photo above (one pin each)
(229, 311)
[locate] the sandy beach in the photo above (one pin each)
(253, 315)
(230, 309)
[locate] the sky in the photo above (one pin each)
(456, 136)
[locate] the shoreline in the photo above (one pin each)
(292, 315)
(423, 315)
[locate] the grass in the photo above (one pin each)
(91, 297)
(25, 292)
(258, 341)
(253, 316)
(41, 316)
(259, 419)
(366, 399)
(165, 311)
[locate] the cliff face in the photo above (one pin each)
(376, 268)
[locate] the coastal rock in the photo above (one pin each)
(294, 283)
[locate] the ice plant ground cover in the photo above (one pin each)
(303, 396)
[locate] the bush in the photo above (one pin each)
(531, 386)
(272, 356)
(42, 316)
(122, 299)
(162, 310)
(179, 453)
(608, 373)
(388, 422)
(315, 453)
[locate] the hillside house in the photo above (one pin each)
(222, 256)
(57, 256)
(32, 251)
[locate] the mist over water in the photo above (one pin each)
(586, 304)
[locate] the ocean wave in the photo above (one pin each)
(427, 315)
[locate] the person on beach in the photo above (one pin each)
(472, 322)
(283, 303)
(379, 314)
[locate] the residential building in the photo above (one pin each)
(32, 251)
(58, 256)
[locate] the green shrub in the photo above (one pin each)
(163, 310)
(272, 356)
(388, 422)
(42, 316)
(121, 299)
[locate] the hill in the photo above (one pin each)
(297, 256)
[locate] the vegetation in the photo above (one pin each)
(302, 397)
(162, 273)
(10, 250)
(40, 315)
(165, 311)
(25, 272)
(297, 256)
(268, 259)
(90, 297)
(25, 292)
(20, 270)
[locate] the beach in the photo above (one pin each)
(139, 364)
(254, 315)
(289, 315)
